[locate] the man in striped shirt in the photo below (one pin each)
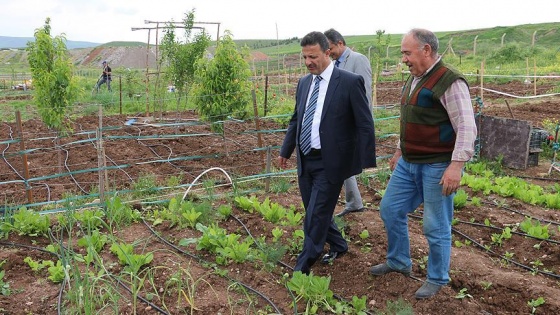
(437, 135)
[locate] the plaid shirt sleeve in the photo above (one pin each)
(457, 102)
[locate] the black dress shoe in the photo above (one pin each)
(346, 211)
(331, 256)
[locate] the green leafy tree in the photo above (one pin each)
(179, 57)
(51, 69)
(222, 87)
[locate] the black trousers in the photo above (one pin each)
(319, 198)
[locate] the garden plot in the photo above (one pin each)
(497, 265)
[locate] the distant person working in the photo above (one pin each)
(105, 77)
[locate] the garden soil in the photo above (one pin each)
(482, 282)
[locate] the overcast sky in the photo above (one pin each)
(103, 21)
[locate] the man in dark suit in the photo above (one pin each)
(341, 143)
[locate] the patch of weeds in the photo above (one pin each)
(119, 213)
(174, 181)
(485, 285)
(398, 307)
(280, 184)
(4, 286)
(422, 262)
(363, 179)
(146, 185)
(270, 254)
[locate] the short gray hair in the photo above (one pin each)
(424, 36)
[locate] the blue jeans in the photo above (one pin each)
(410, 185)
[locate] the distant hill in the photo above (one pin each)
(7, 42)
(526, 40)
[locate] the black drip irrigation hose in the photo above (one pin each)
(258, 245)
(505, 258)
(14, 169)
(204, 261)
(512, 232)
(150, 147)
(106, 156)
(494, 253)
(338, 297)
(11, 244)
(161, 311)
(63, 284)
(59, 241)
(522, 213)
(67, 167)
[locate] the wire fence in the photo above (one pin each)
(43, 168)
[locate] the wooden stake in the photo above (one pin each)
(535, 76)
(266, 95)
(257, 125)
(100, 158)
(510, 111)
(24, 158)
(268, 162)
(482, 81)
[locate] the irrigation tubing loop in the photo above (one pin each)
(206, 171)
(200, 260)
(494, 253)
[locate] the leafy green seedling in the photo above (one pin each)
(485, 285)
(364, 234)
(536, 303)
(463, 294)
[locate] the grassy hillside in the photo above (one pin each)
(547, 38)
(496, 46)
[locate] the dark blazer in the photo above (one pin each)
(346, 131)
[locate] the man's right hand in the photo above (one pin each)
(283, 162)
(394, 159)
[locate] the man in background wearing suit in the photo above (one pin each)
(349, 60)
(333, 134)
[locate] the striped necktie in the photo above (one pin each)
(305, 134)
(336, 63)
